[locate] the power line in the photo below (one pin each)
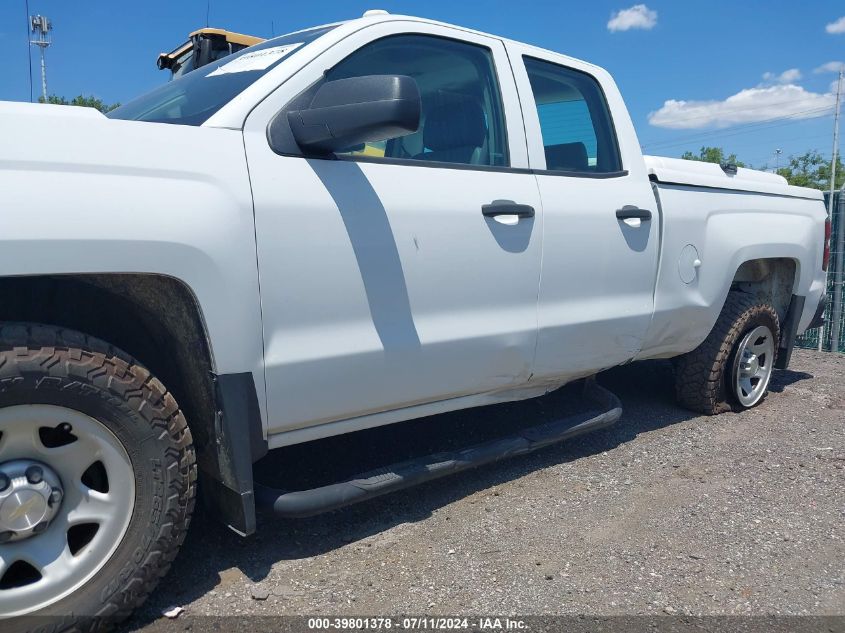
(768, 141)
(746, 108)
(731, 134)
(795, 117)
(792, 115)
(765, 162)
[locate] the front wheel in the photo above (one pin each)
(97, 479)
(732, 368)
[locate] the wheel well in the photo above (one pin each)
(769, 280)
(154, 318)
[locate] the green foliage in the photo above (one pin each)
(811, 169)
(713, 155)
(81, 100)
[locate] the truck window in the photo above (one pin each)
(192, 98)
(578, 134)
(461, 121)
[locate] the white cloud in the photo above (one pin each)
(830, 67)
(836, 27)
(747, 106)
(786, 77)
(637, 17)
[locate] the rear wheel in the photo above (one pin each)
(732, 368)
(97, 479)
(752, 366)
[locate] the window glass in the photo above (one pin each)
(180, 66)
(578, 133)
(192, 98)
(461, 121)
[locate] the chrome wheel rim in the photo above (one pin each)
(755, 357)
(92, 484)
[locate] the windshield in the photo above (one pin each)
(194, 97)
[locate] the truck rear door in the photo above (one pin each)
(601, 222)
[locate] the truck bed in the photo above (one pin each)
(712, 222)
(700, 174)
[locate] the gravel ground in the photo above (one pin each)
(666, 512)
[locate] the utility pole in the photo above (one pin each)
(838, 281)
(778, 152)
(41, 27)
(833, 161)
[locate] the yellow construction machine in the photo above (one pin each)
(203, 47)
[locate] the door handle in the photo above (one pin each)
(630, 212)
(507, 207)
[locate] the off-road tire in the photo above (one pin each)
(702, 377)
(41, 364)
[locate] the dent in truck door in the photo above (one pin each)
(601, 223)
(383, 283)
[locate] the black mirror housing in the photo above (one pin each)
(348, 112)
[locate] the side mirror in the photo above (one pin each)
(348, 112)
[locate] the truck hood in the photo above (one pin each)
(700, 174)
(20, 109)
(59, 139)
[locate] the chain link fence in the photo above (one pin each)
(834, 333)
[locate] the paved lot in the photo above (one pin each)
(664, 513)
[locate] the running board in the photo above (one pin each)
(409, 473)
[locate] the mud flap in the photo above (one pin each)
(789, 331)
(238, 442)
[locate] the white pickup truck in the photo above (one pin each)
(340, 228)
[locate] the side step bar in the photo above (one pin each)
(409, 473)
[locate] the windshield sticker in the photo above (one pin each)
(255, 60)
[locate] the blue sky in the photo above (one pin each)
(692, 73)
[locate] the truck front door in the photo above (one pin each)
(384, 284)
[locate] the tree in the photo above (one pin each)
(713, 155)
(81, 100)
(811, 169)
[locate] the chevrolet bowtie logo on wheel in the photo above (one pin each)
(24, 508)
